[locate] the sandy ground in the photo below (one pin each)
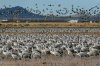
(53, 61)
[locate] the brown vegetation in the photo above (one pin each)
(54, 61)
(48, 24)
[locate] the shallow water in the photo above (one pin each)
(69, 29)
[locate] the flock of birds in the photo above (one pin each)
(31, 30)
(62, 11)
(30, 46)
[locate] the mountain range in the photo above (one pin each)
(20, 12)
(17, 12)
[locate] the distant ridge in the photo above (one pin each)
(20, 12)
(17, 12)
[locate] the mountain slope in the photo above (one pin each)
(17, 12)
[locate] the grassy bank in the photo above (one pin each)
(47, 24)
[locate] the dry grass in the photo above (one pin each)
(48, 24)
(54, 61)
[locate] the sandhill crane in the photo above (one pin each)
(20, 53)
(97, 47)
(82, 54)
(84, 49)
(26, 55)
(36, 54)
(93, 53)
(70, 51)
(1, 49)
(14, 55)
(77, 49)
(56, 51)
(6, 53)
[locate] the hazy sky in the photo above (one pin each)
(65, 3)
(42, 4)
